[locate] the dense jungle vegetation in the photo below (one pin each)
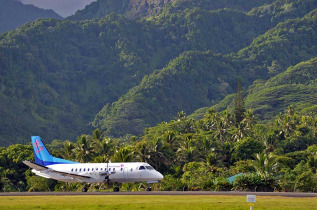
(192, 154)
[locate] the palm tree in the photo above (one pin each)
(249, 120)
(123, 154)
(103, 148)
(97, 134)
(287, 123)
(68, 152)
(158, 152)
(169, 137)
(142, 152)
(187, 152)
(225, 151)
(84, 150)
(264, 164)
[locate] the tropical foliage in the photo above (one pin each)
(193, 154)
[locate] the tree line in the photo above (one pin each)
(280, 155)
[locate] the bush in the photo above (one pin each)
(254, 182)
(305, 182)
(222, 184)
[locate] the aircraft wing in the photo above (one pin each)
(43, 168)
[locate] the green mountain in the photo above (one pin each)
(14, 14)
(122, 73)
(196, 79)
(135, 9)
(56, 75)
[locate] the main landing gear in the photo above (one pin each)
(84, 189)
(148, 189)
(116, 189)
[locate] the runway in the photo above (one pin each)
(168, 193)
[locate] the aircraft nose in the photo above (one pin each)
(159, 176)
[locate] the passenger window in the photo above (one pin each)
(72, 169)
(109, 169)
(92, 169)
(121, 169)
(80, 169)
(114, 169)
(88, 169)
(131, 169)
(105, 169)
(84, 169)
(142, 168)
(96, 169)
(76, 169)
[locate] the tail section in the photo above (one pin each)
(42, 156)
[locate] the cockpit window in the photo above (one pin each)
(142, 168)
(149, 167)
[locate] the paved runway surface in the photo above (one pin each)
(232, 193)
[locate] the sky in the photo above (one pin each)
(62, 7)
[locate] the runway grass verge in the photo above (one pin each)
(153, 202)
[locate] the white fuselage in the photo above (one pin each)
(98, 172)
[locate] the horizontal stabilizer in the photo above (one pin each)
(35, 166)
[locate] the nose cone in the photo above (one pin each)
(159, 176)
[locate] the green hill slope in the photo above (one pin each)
(296, 86)
(56, 75)
(194, 80)
(14, 14)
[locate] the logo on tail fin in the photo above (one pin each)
(42, 156)
(38, 146)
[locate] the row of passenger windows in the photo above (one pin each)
(92, 169)
(114, 169)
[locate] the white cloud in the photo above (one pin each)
(62, 7)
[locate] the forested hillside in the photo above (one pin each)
(203, 80)
(128, 65)
(14, 14)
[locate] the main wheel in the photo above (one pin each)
(149, 189)
(84, 189)
(116, 189)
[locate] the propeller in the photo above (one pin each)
(108, 173)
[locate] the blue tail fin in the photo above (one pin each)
(42, 156)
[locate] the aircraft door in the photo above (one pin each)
(125, 172)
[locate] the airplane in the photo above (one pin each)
(69, 171)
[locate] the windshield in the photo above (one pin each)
(149, 167)
(142, 168)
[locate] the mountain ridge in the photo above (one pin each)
(14, 14)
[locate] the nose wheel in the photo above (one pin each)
(84, 189)
(116, 189)
(148, 189)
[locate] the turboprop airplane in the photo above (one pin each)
(68, 171)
